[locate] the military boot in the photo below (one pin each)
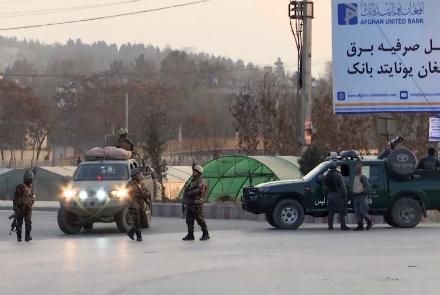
(369, 224)
(205, 236)
(138, 236)
(130, 234)
(190, 235)
(359, 227)
(18, 235)
(27, 236)
(344, 227)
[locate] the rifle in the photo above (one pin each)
(14, 216)
(185, 190)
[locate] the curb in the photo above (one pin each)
(214, 211)
(170, 210)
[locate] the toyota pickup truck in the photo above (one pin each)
(398, 192)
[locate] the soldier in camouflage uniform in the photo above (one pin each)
(194, 196)
(23, 201)
(124, 142)
(139, 197)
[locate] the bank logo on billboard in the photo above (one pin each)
(347, 14)
(341, 95)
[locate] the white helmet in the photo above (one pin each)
(198, 168)
(122, 131)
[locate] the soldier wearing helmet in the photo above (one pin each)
(194, 196)
(124, 141)
(23, 201)
(139, 197)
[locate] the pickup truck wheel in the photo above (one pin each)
(389, 220)
(269, 219)
(288, 214)
(68, 222)
(406, 213)
(124, 220)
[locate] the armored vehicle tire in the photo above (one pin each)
(124, 220)
(68, 222)
(288, 214)
(88, 226)
(406, 213)
(269, 219)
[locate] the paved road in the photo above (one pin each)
(46, 227)
(242, 258)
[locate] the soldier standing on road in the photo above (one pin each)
(194, 196)
(361, 191)
(23, 201)
(139, 195)
(337, 196)
(124, 141)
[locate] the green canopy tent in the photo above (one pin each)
(227, 175)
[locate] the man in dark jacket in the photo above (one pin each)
(336, 196)
(429, 163)
(194, 196)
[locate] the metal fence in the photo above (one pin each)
(33, 163)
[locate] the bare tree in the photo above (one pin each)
(244, 109)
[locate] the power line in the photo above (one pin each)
(106, 16)
(16, 14)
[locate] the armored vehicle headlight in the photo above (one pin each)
(83, 195)
(120, 193)
(101, 195)
(69, 193)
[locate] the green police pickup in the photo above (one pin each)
(398, 192)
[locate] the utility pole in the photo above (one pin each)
(126, 110)
(301, 14)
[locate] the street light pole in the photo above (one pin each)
(126, 110)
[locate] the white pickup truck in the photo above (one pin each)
(97, 193)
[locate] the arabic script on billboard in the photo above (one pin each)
(386, 56)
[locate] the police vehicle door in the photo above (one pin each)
(378, 198)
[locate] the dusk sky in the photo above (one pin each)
(254, 30)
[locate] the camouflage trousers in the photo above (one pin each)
(26, 216)
(135, 214)
(195, 212)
